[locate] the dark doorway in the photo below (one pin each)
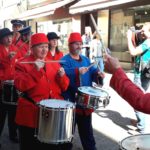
(86, 21)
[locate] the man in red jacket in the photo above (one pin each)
(125, 87)
(23, 43)
(8, 58)
(16, 26)
(38, 81)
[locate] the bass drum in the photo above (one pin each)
(56, 121)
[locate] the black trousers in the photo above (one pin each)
(10, 112)
(85, 129)
(28, 141)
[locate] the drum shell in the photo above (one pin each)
(55, 125)
(87, 101)
(89, 97)
(9, 93)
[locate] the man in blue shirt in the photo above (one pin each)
(76, 68)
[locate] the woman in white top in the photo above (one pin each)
(96, 53)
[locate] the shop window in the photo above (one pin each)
(63, 29)
(120, 23)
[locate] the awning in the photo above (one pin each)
(85, 6)
(43, 10)
(9, 13)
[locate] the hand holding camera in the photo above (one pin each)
(136, 35)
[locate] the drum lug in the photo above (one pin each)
(45, 113)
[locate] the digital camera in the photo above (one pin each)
(138, 36)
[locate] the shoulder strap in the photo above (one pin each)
(25, 95)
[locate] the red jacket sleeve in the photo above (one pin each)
(63, 82)
(130, 92)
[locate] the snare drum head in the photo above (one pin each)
(53, 103)
(141, 142)
(10, 82)
(93, 91)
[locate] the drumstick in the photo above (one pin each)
(90, 65)
(50, 61)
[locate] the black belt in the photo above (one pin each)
(25, 95)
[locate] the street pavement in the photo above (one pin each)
(110, 124)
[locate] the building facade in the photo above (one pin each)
(113, 19)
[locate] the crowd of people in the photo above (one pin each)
(31, 61)
(36, 69)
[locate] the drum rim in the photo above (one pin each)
(131, 137)
(93, 95)
(58, 108)
(11, 82)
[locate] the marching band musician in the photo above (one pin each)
(23, 43)
(16, 26)
(8, 58)
(76, 68)
(37, 81)
(54, 53)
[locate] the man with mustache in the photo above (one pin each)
(76, 68)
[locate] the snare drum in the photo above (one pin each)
(136, 142)
(56, 121)
(9, 92)
(91, 97)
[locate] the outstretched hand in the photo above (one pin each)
(111, 64)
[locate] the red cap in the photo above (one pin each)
(38, 38)
(75, 37)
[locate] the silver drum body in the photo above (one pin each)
(136, 142)
(90, 97)
(56, 121)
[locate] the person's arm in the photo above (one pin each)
(125, 87)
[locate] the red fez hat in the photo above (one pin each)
(75, 37)
(38, 38)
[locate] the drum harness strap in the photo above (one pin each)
(25, 95)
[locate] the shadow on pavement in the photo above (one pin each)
(115, 117)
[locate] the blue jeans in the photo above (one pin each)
(141, 117)
(100, 63)
(100, 66)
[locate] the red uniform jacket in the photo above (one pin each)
(38, 85)
(7, 65)
(130, 92)
(58, 55)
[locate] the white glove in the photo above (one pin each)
(39, 64)
(83, 70)
(61, 72)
